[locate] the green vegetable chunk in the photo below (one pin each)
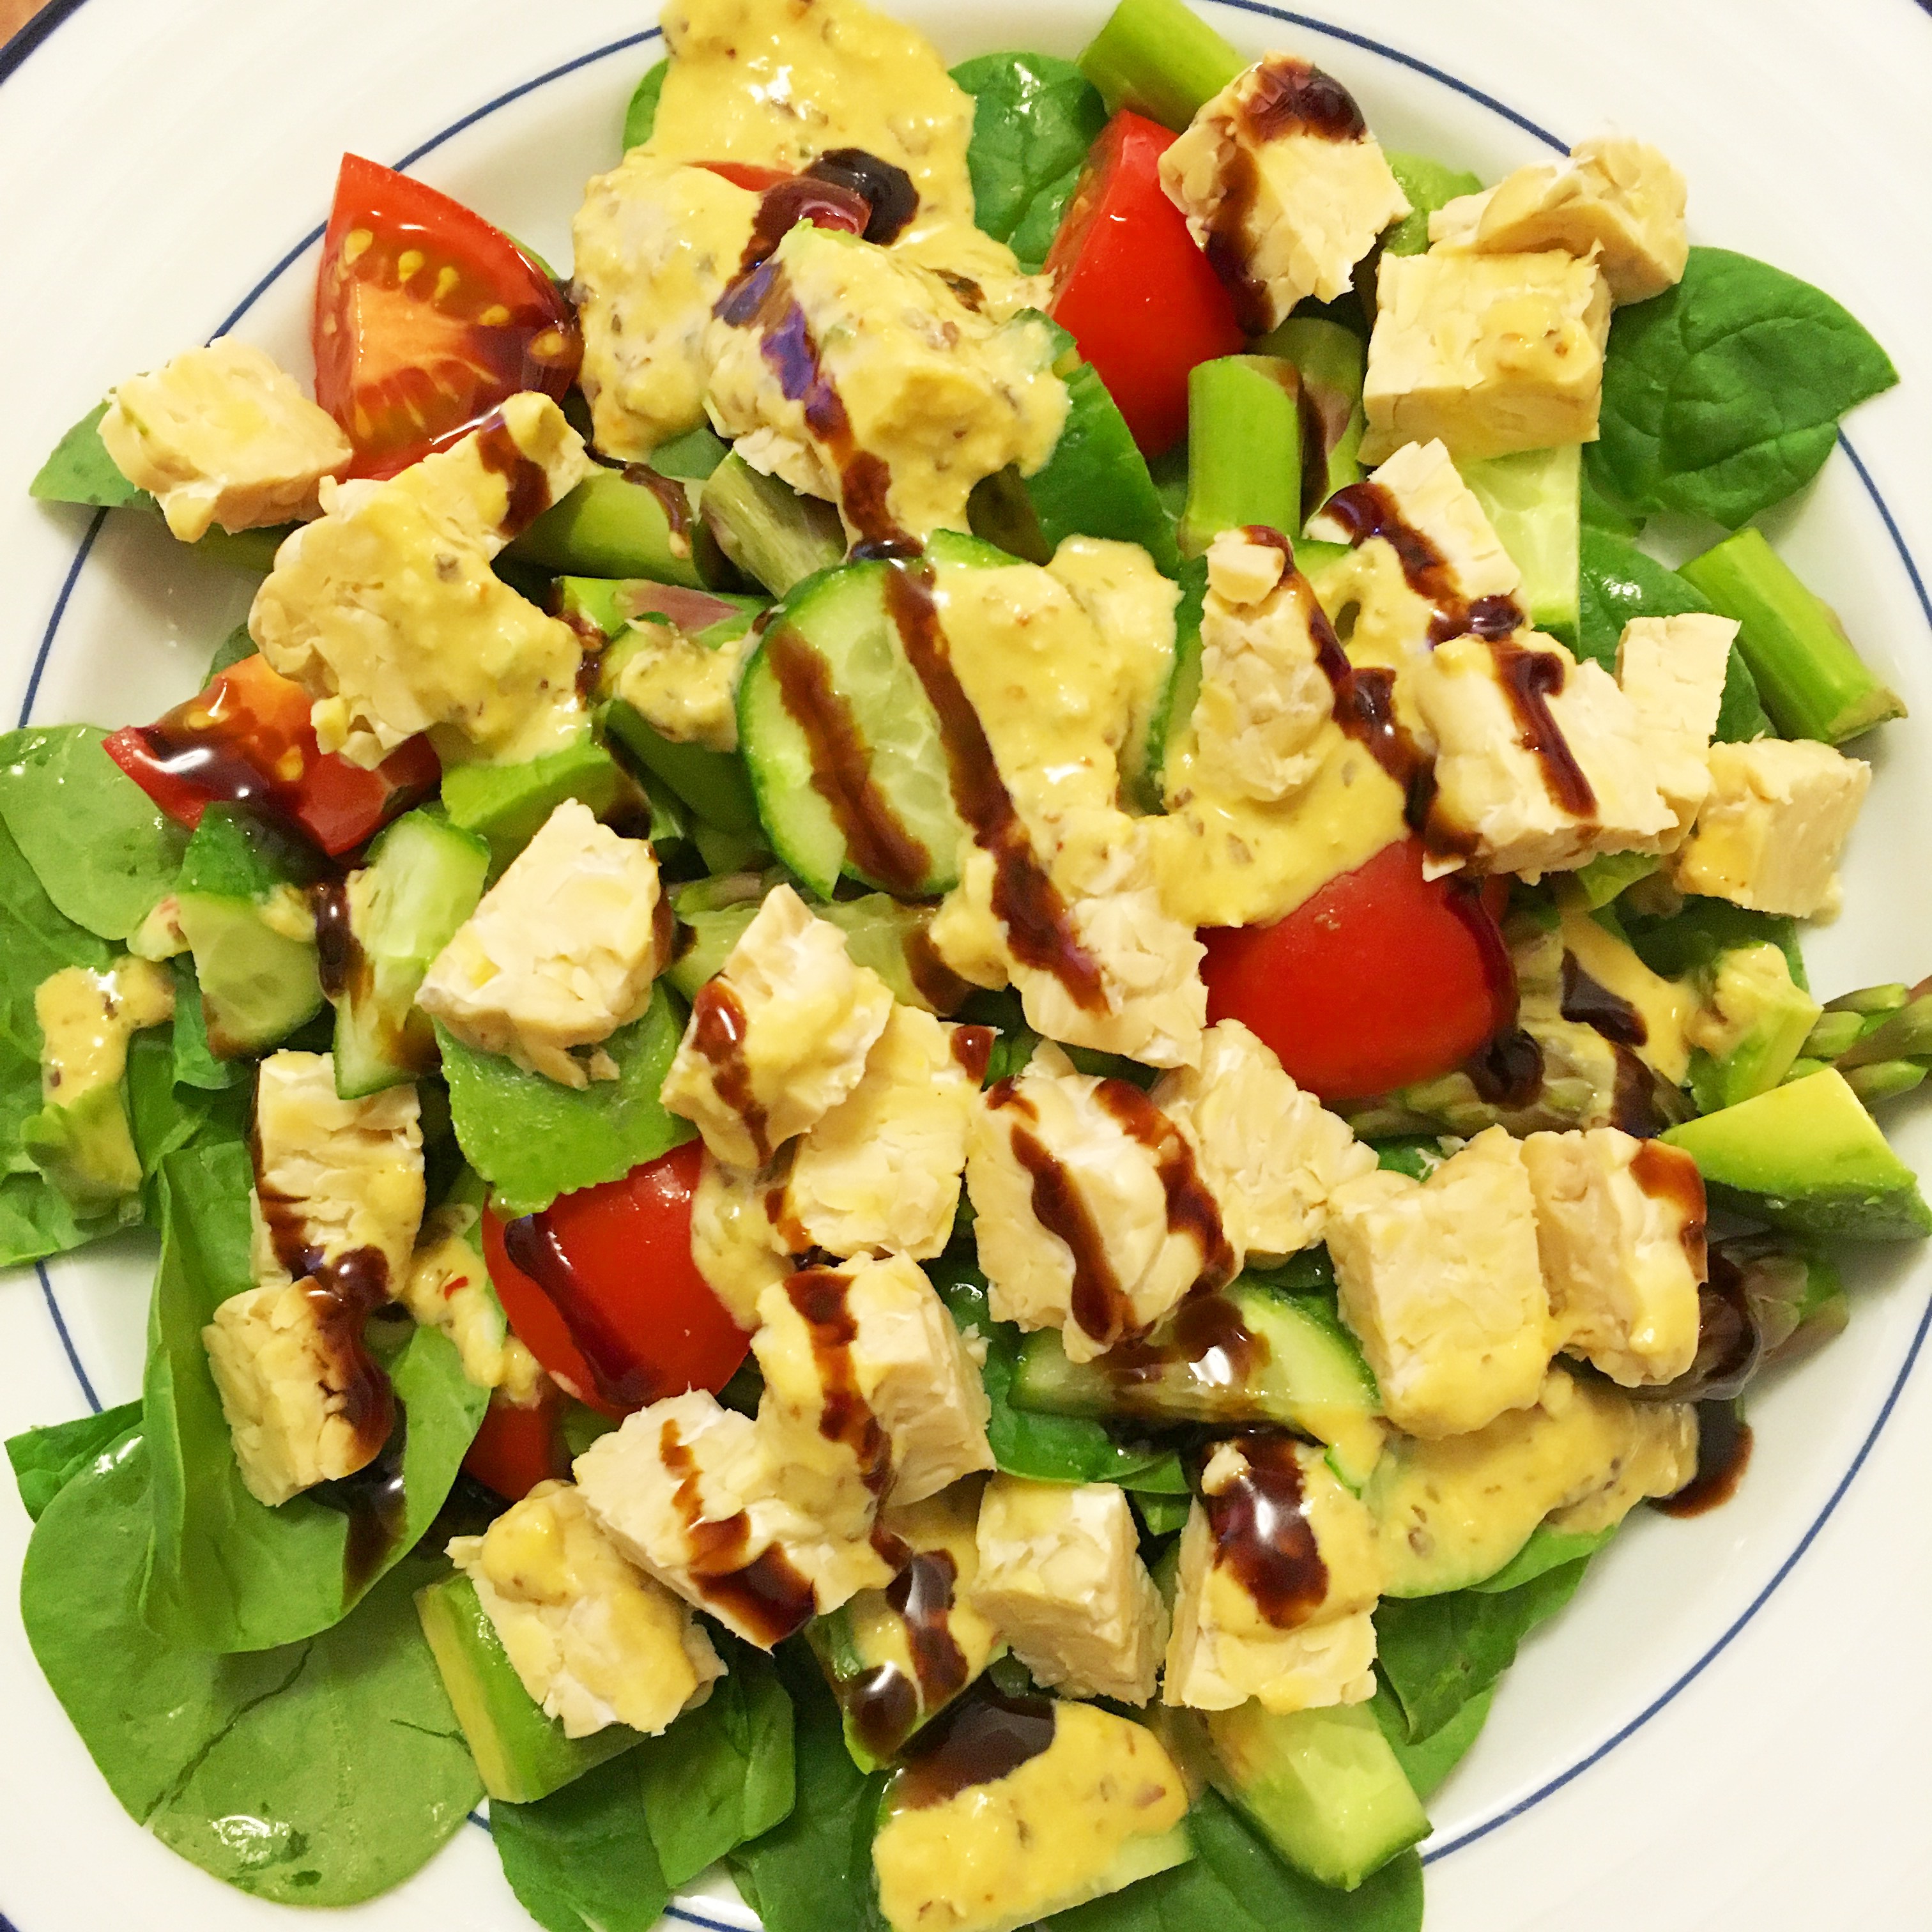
(506, 805)
(1332, 362)
(282, 1772)
(1766, 1020)
(1532, 501)
(1814, 683)
(1034, 117)
(776, 537)
(104, 851)
(227, 1573)
(1428, 184)
(1722, 396)
(640, 115)
(1808, 1157)
(1243, 448)
(533, 1139)
(1159, 59)
(610, 526)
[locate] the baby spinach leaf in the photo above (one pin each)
(81, 471)
(1700, 929)
(1427, 1765)
(46, 1460)
(813, 1873)
(1051, 1448)
(1616, 582)
(232, 650)
(532, 1138)
(98, 845)
(1546, 1550)
(195, 1063)
(641, 115)
(320, 1774)
(1722, 396)
(581, 1859)
(722, 1774)
(228, 1572)
(1235, 1882)
(1033, 119)
(167, 1116)
(1437, 1653)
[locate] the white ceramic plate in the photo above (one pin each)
(1728, 1728)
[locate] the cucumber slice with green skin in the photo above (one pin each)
(521, 1754)
(1808, 1158)
(506, 805)
(258, 973)
(1245, 1355)
(843, 746)
(611, 526)
(1324, 1787)
(1534, 501)
(773, 534)
(1332, 362)
(427, 878)
(1095, 483)
(714, 784)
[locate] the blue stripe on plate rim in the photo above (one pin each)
(16, 50)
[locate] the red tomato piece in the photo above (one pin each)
(246, 740)
(1136, 293)
(1382, 978)
(517, 1448)
(600, 1287)
(426, 318)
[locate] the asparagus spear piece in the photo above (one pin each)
(1159, 59)
(1880, 1038)
(1243, 448)
(771, 533)
(1812, 682)
(628, 523)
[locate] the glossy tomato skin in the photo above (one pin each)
(517, 1448)
(1381, 979)
(247, 740)
(1130, 285)
(426, 319)
(626, 1319)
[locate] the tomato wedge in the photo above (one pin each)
(517, 1448)
(1382, 978)
(246, 740)
(600, 1287)
(426, 318)
(1137, 294)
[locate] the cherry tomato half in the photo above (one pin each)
(1382, 978)
(600, 1287)
(426, 318)
(1137, 294)
(246, 740)
(517, 1448)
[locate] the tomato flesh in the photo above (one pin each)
(1381, 979)
(246, 740)
(426, 318)
(517, 1448)
(600, 1287)
(1130, 285)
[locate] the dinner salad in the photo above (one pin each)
(968, 1019)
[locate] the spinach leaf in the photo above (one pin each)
(1616, 582)
(1438, 1653)
(167, 1116)
(195, 1063)
(232, 650)
(723, 1774)
(1700, 929)
(318, 1774)
(1546, 1550)
(1236, 1883)
(81, 471)
(1051, 1448)
(98, 845)
(46, 1460)
(581, 1860)
(1722, 396)
(813, 1873)
(533, 1139)
(1033, 119)
(1427, 1765)
(641, 116)
(227, 1573)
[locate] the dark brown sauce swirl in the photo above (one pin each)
(1191, 1209)
(1668, 1173)
(877, 837)
(972, 1047)
(887, 190)
(1040, 928)
(983, 1737)
(527, 482)
(883, 1704)
(1262, 1533)
(821, 1296)
(1587, 1002)
(718, 1033)
(1206, 1339)
(1508, 1073)
(674, 498)
(1530, 679)
(765, 1595)
(622, 1379)
(1724, 1443)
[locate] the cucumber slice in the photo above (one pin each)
(1246, 1355)
(1534, 501)
(832, 655)
(522, 1754)
(1324, 1787)
(424, 879)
